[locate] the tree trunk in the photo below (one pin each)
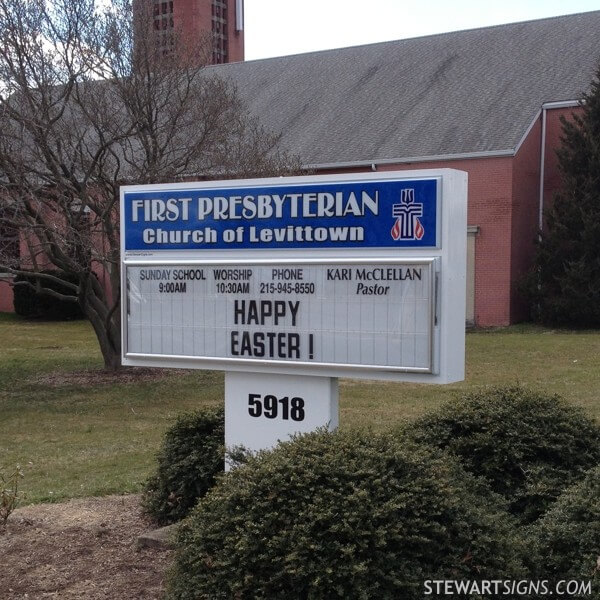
(106, 320)
(109, 346)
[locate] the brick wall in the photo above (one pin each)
(236, 38)
(6, 297)
(553, 135)
(525, 208)
(489, 208)
(504, 204)
(195, 19)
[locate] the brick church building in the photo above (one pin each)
(486, 101)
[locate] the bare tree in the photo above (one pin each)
(92, 98)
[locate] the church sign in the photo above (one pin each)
(300, 278)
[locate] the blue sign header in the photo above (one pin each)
(368, 214)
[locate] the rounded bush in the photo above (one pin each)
(567, 537)
(342, 515)
(191, 456)
(530, 446)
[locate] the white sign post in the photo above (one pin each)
(289, 283)
(261, 410)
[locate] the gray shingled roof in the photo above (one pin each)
(464, 92)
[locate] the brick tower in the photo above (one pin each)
(219, 21)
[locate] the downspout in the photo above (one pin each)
(239, 15)
(542, 173)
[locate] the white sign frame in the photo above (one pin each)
(450, 285)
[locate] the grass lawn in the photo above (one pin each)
(77, 439)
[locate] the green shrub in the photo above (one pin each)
(29, 304)
(342, 515)
(530, 446)
(190, 458)
(568, 535)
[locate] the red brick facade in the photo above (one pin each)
(504, 205)
(524, 215)
(553, 135)
(489, 208)
(6, 296)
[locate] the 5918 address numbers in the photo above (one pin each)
(272, 407)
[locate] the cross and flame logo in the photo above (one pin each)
(407, 226)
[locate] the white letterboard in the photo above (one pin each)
(372, 315)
